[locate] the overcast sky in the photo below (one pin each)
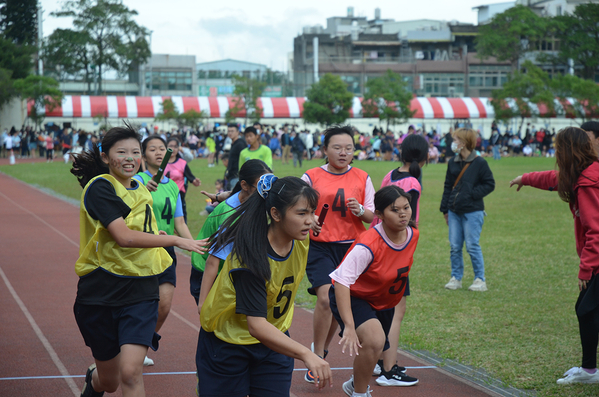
(260, 31)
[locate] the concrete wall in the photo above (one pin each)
(13, 114)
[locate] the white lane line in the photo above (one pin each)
(178, 373)
(61, 368)
(76, 244)
(186, 321)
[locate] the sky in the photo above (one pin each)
(260, 31)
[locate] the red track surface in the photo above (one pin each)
(39, 238)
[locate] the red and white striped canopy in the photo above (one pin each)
(132, 107)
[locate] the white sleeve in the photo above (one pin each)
(369, 195)
(354, 264)
(307, 179)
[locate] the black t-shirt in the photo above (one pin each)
(101, 287)
(250, 290)
(396, 176)
(236, 148)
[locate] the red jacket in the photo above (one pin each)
(585, 211)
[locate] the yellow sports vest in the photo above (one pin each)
(218, 313)
(97, 248)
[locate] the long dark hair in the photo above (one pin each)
(387, 196)
(414, 150)
(574, 152)
(249, 172)
(247, 228)
(88, 164)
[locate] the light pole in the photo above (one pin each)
(151, 76)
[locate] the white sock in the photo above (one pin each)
(359, 394)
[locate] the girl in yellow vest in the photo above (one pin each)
(120, 258)
(244, 343)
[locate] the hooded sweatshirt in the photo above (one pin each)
(585, 210)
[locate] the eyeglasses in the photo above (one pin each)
(339, 150)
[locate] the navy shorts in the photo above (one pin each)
(323, 259)
(362, 312)
(195, 283)
(231, 370)
(106, 328)
(170, 274)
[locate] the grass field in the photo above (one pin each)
(522, 331)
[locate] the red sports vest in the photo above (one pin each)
(383, 282)
(340, 224)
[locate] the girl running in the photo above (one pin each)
(577, 183)
(119, 259)
(169, 217)
(178, 170)
(370, 283)
(350, 195)
(414, 154)
(244, 341)
(206, 266)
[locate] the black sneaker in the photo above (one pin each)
(395, 377)
(379, 367)
(88, 390)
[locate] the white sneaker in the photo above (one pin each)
(148, 362)
(578, 375)
(348, 388)
(478, 285)
(377, 368)
(454, 284)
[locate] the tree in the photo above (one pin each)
(579, 38)
(585, 92)
(117, 42)
(508, 34)
(68, 53)
(16, 58)
(7, 91)
(526, 86)
(44, 93)
(18, 21)
(328, 101)
(247, 91)
(170, 113)
(388, 98)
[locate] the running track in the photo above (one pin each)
(42, 352)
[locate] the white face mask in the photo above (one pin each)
(454, 147)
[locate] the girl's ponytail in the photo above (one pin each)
(414, 150)
(87, 165)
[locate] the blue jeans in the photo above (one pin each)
(496, 154)
(466, 227)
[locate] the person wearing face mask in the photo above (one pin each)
(467, 181)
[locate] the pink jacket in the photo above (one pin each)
(585, 211)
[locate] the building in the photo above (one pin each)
(436, 58)
(215, 78)
(167, 75)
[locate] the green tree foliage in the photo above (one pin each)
(526, 86)
(388, 98)
(18, 21)
(170, 113)
(508, 35)
(67, 53)
(16, 58)
(579, 36)
(329, 101)
(247, 91)
(117, 42)
(7, 91)
(585, 92)
(43, 91)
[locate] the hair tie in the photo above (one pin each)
(265, 184)
(99, 144)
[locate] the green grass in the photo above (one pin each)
(522, 331)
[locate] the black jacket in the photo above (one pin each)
(475, 184)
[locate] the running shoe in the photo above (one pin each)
(348, 388)
(578, 375)
(88, 390)
(309, 377)
(148, 362)
(379, 366)
(395, 377)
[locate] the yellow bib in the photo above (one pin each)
(218, 313)
(97, 248)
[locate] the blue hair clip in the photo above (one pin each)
(99, 146)
(265, 184)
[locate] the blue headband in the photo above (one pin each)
(265, 184)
